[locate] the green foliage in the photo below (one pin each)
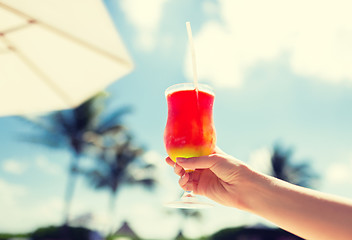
(244, 233)
(61, 232)
(190, 213)
(226, 234)
(117, 237)
(54, 233)
(5, 236)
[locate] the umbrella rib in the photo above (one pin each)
(84, 44)
(14, 11)
(65, 35)
(13, 29)
(54, 87)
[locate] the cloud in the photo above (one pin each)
(49, 210)
(21, 213)
(145, 16)
(316, 36)
(216, 59)
(156, 159)
(152, 157)
(139, 212)
(210, 8)
(42, 212)
(9, 193)
(14, 167)
(164, 175)
(48, 167)
(9, 201)
(340, 173)
(260, 159)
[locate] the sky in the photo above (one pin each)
(281, 71)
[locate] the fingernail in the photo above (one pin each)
(174, 165)
(179, 159)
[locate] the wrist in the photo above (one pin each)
(252, 188)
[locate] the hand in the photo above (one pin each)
(304, 212)
(218, 176)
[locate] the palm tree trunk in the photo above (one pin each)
(70, 188)
(111, 213)
(112, 204)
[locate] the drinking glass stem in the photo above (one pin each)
(188, 196)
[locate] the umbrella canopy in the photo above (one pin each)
(55, 54)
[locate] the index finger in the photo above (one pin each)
(170, 161)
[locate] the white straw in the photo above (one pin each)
(193, 54)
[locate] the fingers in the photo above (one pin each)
(223, 166)
(177, 168)
(169, 161)
(199, 162)
(184, 180)
(217, 163)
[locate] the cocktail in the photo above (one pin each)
(189, 130)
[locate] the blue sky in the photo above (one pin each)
(282, 72)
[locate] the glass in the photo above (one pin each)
(189, 130)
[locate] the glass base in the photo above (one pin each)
(189, 201)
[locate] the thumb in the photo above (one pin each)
(219, 164)
(196, 162)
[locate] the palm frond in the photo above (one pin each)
(285, 169)
(120, 165)
(63, 122)
(114, 118)
(37, 123)
(190, 213)
(148, 183)
(49, 141)
(113, 130)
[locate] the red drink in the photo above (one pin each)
(189, 129)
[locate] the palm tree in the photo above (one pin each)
(120, 165)
(297, 173)
(69, 129)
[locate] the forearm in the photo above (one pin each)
(304, 212)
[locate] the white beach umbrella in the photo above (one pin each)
(55, 54)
